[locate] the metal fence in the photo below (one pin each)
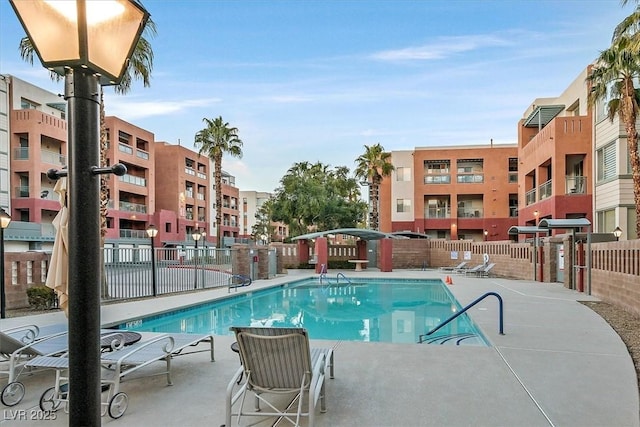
(129, 272)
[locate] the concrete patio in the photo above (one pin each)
(558, 364)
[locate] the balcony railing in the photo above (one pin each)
(21, 192)
(437, 179)
(21, 153)
(470, 213)
(437, 212)
(575, 184)
(530, 196)
(124, 148)
(133, 207)
(135, 180)
(513, 212)
(190, 171)
(53, 158)
(142, 154)
(513, 177)
(135, 234)
(470, 178)
(546, 189)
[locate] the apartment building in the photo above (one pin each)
(37, 142)
(5, 189)
(555, 156)
(613, 192)
(183, 200)
(460, 192)
(252, 201)
(230, 228)
(131, 196)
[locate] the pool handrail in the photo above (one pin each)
(244, 281)
(342, 275)
(464, 310)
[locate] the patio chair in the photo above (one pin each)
(484, 272)
(277, 362)
(454, 268)
(20, 345)
(119, 363)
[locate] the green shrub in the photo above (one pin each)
(41, 297)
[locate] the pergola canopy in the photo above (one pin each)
(566, 224)
(362, 233)
(527, 229)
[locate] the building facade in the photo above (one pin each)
(463, 192)
(230, 227)
(555, 157)
(252, 201)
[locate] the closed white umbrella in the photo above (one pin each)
(58, 274)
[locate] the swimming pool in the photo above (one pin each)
(367, 309)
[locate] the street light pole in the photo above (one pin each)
(152, 232)
(89, 47)
(5, 220)
(617, 232)
(196, 236)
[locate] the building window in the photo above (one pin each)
(403, 205)
(606, 221)
(43, 271)
(403, 174)
(25, 104)
(606, 162)
(29, 272)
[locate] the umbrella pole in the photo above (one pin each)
(82, 92)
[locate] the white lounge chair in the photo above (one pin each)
(119, 363)
(454, 268)
(473, 270)
(20, 345)
(276, 362)
(484, 272)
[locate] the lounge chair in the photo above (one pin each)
(484, 272)
(454, 268)
(20, 345)
(473, 270)
(276, 362)
(119, 363)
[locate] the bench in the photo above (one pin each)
(359, 263)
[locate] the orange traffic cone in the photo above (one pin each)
(447, 279)
(450, 280)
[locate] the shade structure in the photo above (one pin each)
(58, 274)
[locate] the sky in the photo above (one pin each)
(316, 81)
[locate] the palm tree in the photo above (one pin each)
(373, 166)
(612, 81)
(215, 140)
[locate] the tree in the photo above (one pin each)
(263, 226)
(316, 197)
(372, 167)
(612, 81)
(216, 140)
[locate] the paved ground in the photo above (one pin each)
(558, 364)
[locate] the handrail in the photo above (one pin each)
(244, 281)
(345, 278)
(322, 276)
(467, 308)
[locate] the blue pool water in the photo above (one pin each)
(375, 310)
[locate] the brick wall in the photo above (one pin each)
(23, 270)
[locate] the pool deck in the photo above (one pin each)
(558, 364)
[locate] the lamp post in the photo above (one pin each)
(204, 258)
(5, 219)
(486, 233)
(617, 232)
(196, 236)
(152, 232)
(90, 43)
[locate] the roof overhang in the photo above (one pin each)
(542, 115)
(362, 233)
(565, 224)
(527, 230)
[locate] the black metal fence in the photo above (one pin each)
(129, 272)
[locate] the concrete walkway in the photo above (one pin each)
(558, 364)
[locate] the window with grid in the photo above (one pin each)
(403, 205)
(606, 162)
(403, 174)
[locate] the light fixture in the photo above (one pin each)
(617, 232)
(99, 35)
(152, 232)
(90, 47)
(5, 220)
(486, 233)
(196, 236)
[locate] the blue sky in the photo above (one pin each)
(317, 80)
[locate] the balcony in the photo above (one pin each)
(437, 179)
(513, 177)
(546, 189)
(190, 171)
(575, 184)
(21, 192)
(133, 207)
(434, 213)
(470, 212)
(21, 153)
(53, 158)
(135, 234)
(470, 178)
(530, 197)
(124, 148)
(135, 180)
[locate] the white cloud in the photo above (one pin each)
(446, 46)
(130, 109)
